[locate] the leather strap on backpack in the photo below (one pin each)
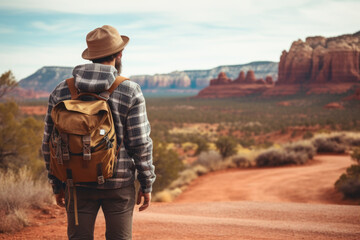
(106, 94)
(73, 90)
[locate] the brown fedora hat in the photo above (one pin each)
(103, 42)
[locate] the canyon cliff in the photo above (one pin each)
(321, 60)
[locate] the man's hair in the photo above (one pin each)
(106, 59)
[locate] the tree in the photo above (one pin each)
(167, 165)
(20, 139)
(202, 145)
(7, 83)
(226, 146)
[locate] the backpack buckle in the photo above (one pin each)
(100, 180)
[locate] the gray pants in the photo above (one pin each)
(117, 205)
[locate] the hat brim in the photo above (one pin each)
(86, 54)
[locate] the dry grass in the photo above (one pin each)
(18, 192)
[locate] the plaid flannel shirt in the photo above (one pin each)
(131, 124)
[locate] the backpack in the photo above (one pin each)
(83, 141)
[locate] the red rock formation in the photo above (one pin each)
(220, 80)
(355, 96)
(250, 77)
(260, 81)
(321, 60)
(241, 78)
(334, 105)
(295, 65)
(269, 80)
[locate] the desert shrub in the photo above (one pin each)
(355, 155)
(167, 195)
(246, 142)
(349, 182)
(168, 165)
(208, 159)
(279, 157)
(19, 191)
(200, 170)
(353, 139)
(202, 145)
(185, 177)
(330, 144)
(242, 160)
(302, 147)
(226, 146)
(308, 135)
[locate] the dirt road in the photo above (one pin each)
(297, 202)
(311, 183)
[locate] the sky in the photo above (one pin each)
(165, 35)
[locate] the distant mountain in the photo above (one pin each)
(198, 79)
(47, 78)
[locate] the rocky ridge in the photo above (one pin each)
(47, 78)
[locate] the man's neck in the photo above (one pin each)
(111, 63)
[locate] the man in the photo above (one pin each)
(117, 195)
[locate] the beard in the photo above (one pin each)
(118, 65)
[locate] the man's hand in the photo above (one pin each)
(147, 200)
(60, 198)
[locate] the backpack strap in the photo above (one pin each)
(73, 90)
(118, 80)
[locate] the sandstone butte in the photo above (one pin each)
(318, 65)
(222, 86)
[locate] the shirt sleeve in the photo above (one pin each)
(138, 142)
(56, 184)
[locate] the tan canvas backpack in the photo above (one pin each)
(83, 141)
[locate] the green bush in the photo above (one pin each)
(279, 157)
(349, 182)
(355, 155)
(226, 146)
(202, 145)
(330, 144)
(308, 135)
(167, 165)
(302, 147)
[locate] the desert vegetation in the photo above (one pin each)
(22, 170)
(195, 136)
(349, 182)
(295, 153)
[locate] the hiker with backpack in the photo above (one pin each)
(96, 135)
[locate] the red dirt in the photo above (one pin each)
(294, 202)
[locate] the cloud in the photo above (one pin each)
(166, 35)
